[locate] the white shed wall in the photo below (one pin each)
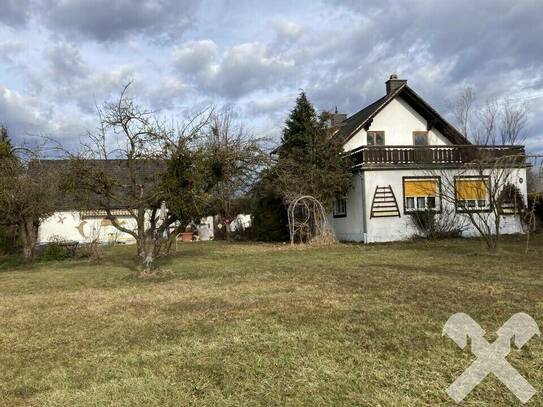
(68, 225)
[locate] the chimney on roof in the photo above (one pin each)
(394, 83)
(334, 119)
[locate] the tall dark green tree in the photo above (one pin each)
(309, 162)
(310, 157)
(299, 127)
(6, 146)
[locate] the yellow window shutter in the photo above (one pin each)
(420, 187)
(472, 189)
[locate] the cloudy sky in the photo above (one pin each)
(58, 58)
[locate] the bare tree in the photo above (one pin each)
(491, 122)
(485, 129)
(462, 110)
(485, 191)
(237, 157)
(535, 177)
(512, 122)
(135, 162)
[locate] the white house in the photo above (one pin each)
(404, 155)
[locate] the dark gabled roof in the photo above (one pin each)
(353, 123)
(363, 118)
(147, 173)
(146, 170)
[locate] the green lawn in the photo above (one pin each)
(256, 324)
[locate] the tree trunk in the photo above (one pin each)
(497, 231)
(140, 242)
(148, 263)
(150, 251)
(28, 235)
(227, 231)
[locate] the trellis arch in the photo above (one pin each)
(307, 219)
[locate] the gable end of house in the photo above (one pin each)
(397, 88)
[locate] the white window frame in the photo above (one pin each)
(416, 207)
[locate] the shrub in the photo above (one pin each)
(8, 240)
(55, 249)
(270, 221)
(432, 225)
(92, 251)
(535, 206)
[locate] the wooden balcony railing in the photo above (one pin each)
(435, 155)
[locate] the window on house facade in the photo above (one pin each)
(376, 138)
(420, 138)
(421, 194)
(340, 207)
(472, 193)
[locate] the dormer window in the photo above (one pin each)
(420, 138)
(376, 138)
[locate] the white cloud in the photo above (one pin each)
(258, 55)
(10, 49)
(288, 30)
(114, 20)
(21, 114)
(195, 58)
(239, 70)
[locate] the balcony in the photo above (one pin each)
(432, 156)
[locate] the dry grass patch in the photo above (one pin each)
(260, 324)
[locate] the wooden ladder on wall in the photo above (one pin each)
(384, 203)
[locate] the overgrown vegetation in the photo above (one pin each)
(28, 192)
(308, 161)
(535, 205)
(55, 249)
(237, 158)
(262, 324)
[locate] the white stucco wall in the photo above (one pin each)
(401, 228)
(68, 225)
(351, 227)
(398, 120)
